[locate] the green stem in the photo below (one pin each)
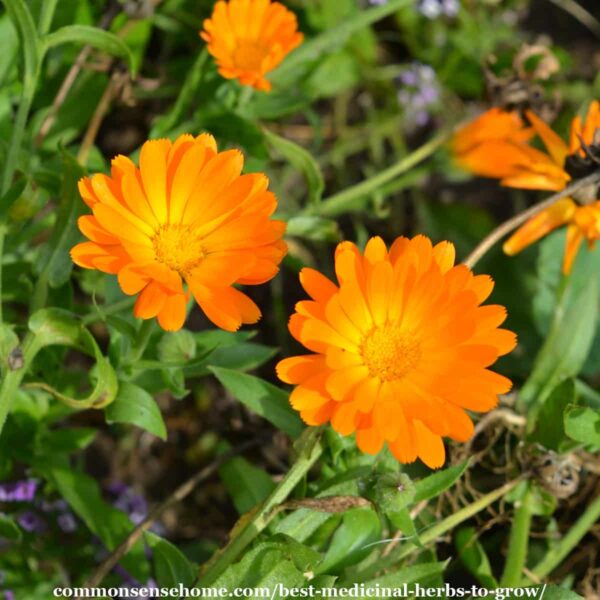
(185, 98)
(434, 532)
(102, 312)
(257, 522)
(518, 543)
(340, 202)
(561, 550)
(18, 131)
(46, 15)
(143, 337)
(40, 293)
(11, 379)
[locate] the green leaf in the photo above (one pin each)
(349, 545)
(176, 347)
(98, 38)
(8, 342)
(111, 525)
(57, 327)
(270, 564)
(324, 43)
(135, 405)
(414, 574)
(433, 485)
(303, 161)
(556, 592)
(302, 523)
(65, 441)
(582, 424)
(567, 345)
(55, 261)
(319, 229)
(171, 566)
(474, 557)
(550, 427)
(247, 485)
(9, 530)
(262, 398)
(21, 17)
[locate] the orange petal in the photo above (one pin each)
(538, 226)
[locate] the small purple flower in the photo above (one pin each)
(418, 92)
(31, 522)
(132, 504)
(66, 521)
(18, 491)
(432, 9)
(9, 595)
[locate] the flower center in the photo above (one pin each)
(248, 56)
(177, 248)
(390, 353)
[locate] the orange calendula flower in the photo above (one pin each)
(487, 145)
(401, 348)
(249, 38)
(553, 171)
(185, 222)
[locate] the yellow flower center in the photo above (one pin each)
(178, 248)
(248, 56)
(389, 352)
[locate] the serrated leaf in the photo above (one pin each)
(135, 405)
(263, 398)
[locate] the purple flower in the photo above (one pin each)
(66, 521)
(18, 491)
(132, 504)
(9, 595)
(31, 522)
(418, 92)
(432, 9)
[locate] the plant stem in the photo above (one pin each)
(143, 337)
(18, 131)
(164, 125)
(46, 15)
(340, 202)
(111, 309)
(433, 533)
(11, 379)
(256, 522)
(556, 554)
(518, 543)
(511, 224)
